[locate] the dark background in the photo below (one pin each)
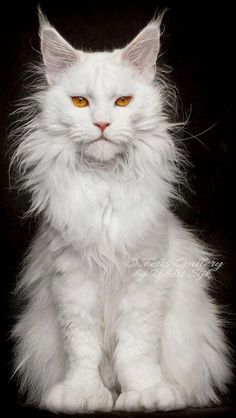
(199, 43)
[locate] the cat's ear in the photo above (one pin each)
(141, 53)
(58, 55)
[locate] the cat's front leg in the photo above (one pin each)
(137, 357)
(81, 390)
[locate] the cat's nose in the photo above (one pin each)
(102, 125)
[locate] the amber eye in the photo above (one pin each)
(80, 101)
(123, 101)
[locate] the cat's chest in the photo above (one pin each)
(107, 211)
(107, 205)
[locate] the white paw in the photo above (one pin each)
(129, 401)
(162, 397)
(71, 397)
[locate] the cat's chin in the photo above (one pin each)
(102, 150)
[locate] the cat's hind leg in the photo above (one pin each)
(39, 358)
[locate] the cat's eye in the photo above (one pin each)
(79, 101)
(123, 101)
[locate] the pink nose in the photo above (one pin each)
(102, 125)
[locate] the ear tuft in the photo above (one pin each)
(43, 21)
(141, 53)
(58, 55)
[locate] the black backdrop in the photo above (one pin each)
(198, 43)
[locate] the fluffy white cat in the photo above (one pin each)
(118, 314)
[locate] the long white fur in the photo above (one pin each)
(98, 323)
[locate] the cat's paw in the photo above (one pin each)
(129, 401)
(161, 397)
(70, 398)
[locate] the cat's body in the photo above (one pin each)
(116, 292)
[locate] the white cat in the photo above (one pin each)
(117, 313)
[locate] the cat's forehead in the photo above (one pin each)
(101, 70)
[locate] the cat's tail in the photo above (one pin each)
(39, 360)
(195, 354)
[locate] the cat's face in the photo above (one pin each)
(100, 101)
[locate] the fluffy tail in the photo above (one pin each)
(195, 353)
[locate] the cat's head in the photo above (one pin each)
(105, 103)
